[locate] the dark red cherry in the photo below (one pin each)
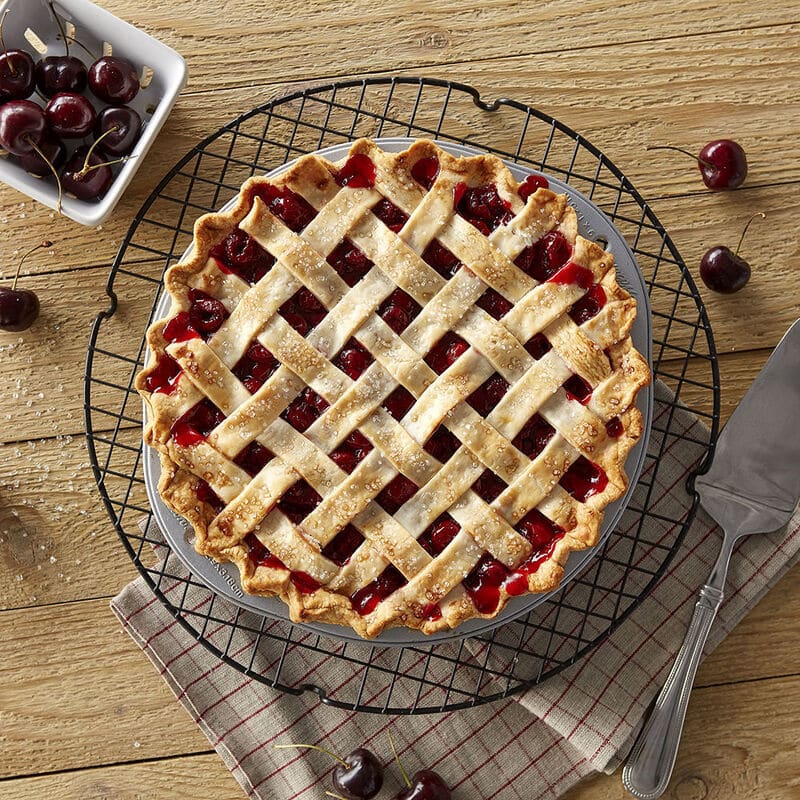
(722, 163)
(426, 785)
(113, 80)
(89, 185)
(21, 124)
(56, 74)
(206, 313)
(16, 75)
(119, 127)
(724, 270)
(531, 184)
(54, 151)
(70, 115)
(19, 308)
(360, 778)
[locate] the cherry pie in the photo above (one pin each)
(396, 390)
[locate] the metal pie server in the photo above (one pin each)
(752, 487)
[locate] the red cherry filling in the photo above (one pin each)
(441, 259)
(390, 215)
(431, 612)
(398, 309)
(260, 555)
(164, 376)
(351, 264)
(340, 549)
(614, 428)
(488, 394)
(253, 458)
(531, 184)
(179, 328)
(534, 436)
(573, 273)
(538, 345)
(241, 255)
(425, 171)
(303, 311)
(367, 599)
(584, 479)
(438, 535)
(489, 486)
(353, 359)
(358, 172)
(305, 409)
(205, 494)
(299, 501)
(395, 493)
(442, 444)
(206, 313)
(543, 534)
(286, 205)
(482, 206)
(446, 352)
(494, 304)
(546, 257)
(195, 424)
(578, 389)
(399, 402)
(483, 583)
(255, 366)
(589, 305)
(352, 450)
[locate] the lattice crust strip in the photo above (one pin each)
(395, 390)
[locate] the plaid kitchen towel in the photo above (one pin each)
(537, 745)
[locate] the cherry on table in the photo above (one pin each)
(70, 115)
(113, 80)
(425, 784)
(19, 308)
(56, 74)
(21, 123)
(119, 127)
(359, 776)
(722, 163)
(724, 270)
(86, 175)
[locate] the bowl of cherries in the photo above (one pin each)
(82, 97)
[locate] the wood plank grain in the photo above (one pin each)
(653, 93)
(730, 749)
(77, 692)
(322, 38)
(108, 696)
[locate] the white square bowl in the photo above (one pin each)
(96, 29)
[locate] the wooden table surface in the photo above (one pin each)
(83, 716)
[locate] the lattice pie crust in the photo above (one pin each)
(396, 390)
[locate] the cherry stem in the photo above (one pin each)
(87, 168)
(680, 150)
(33, 249)
(52, 169)
(337, 796)
(313, 747)
(399, 763)
(81, 45)
(3, 42)
(749, 222)
(60, 26)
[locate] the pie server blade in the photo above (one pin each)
(754, 482)
(752, 487)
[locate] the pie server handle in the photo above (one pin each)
(652, 759)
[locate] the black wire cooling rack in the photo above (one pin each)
(448, 675)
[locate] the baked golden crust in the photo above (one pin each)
(244, 503)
